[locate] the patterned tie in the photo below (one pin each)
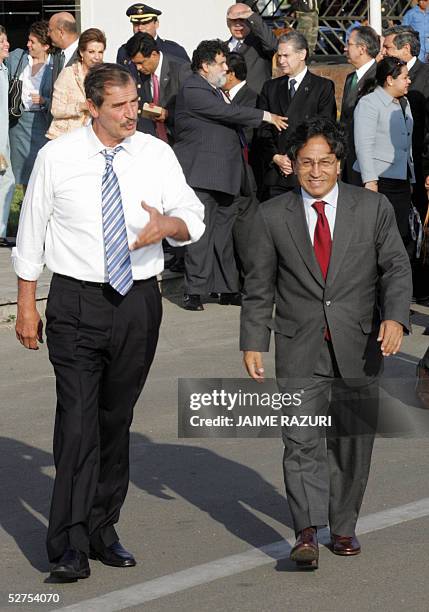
(160, 128)
(115, 234)
(292, 90)
(322, 244)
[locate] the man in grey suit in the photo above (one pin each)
(64, 35)
(332, 256)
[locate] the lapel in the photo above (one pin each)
(369, 74)
(344, 221)
(297, 223)
(164, 80)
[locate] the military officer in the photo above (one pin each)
(144, 18)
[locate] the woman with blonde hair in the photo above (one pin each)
(69, 108)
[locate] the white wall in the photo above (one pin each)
(186, 22)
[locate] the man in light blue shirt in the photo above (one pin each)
(7, 180)
(418, 18)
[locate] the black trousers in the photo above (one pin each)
(326, 469)
(398, 192)
(210, 263)
(101, 346)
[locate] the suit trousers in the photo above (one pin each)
(326, 469)
(209, 263)
(101, 346)
(7, 189)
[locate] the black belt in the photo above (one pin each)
(84, 283)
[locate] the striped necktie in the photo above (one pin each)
(114, 230)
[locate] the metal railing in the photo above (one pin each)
(335, 18)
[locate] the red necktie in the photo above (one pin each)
(160, 128)
(322, 244)
(322, 238)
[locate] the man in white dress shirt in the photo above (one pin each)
(90, 194)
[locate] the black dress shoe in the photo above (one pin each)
(72, 565)
(422, 301)
(192, 302)
(230, 299)
(114, 555)
(4, 242)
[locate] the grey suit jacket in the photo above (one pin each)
(369, 279)
(382, 138)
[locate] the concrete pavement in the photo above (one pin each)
(197, 509)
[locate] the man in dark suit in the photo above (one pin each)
(160, 78)
(298, 95)
(209, 149)
(238, 92)
(251, 37)
(361, 49)
(404, 43)
(144, 18)
(64, 35)
(332, 256)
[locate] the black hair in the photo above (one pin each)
(143, 43)
(237, 64)
(206, 53)
(333, 133)
(388, 66)
(103, 75)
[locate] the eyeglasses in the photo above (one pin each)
(324, 164)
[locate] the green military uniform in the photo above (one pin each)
(307, 15)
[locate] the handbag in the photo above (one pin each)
(15, 91)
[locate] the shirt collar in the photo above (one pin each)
(299, 77)
(364, 69)
(68, 51)
(95, 146)
(159, 67)
(330, 198)
(234, 90)
(411, 63)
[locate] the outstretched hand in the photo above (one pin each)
(154, 231)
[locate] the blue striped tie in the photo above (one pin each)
(115, 233)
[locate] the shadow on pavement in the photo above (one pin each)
(227, 491)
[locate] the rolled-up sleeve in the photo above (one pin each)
(179, 200)
(28, 257)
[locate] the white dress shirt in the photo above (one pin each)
(234, 90)
(330, 199)
(298, 78)
(31, 84)
(411, 63)
(360, 72)
(61, 218)
(69, 51)
(158, 74)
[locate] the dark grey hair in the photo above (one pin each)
(297, 40)
(367, 37)
(404, 35)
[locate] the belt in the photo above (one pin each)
(84, 283)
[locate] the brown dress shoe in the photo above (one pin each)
(345, 545)
(305, 553)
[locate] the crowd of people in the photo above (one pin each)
(233, 155)
(241, 173)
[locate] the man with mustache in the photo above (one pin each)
(86, 217)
